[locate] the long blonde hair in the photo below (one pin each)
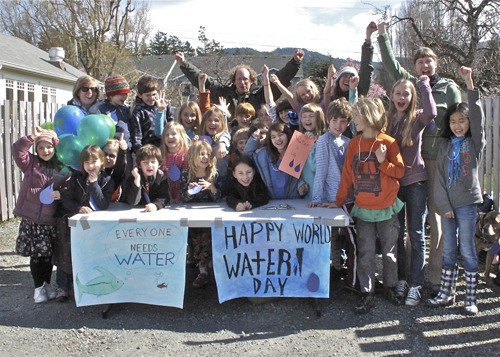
(222, 119)
(193, 154)
(308, 83)
(372, 111)
(410, 113)
(183, 137)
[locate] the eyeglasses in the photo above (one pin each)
(86, 89)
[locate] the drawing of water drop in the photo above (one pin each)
(313, 283)
(174, 173)
(46, 195)
(291, 163)
(297, 168)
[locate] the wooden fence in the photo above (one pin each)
(19, 118)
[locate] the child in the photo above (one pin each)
(190, 118)
(201, 183)
(150, 111)
(330, 153)
(457, 192)
(280, 184)
(37, 229)
(306, 92)
(87, 191)
(244, 115)
(330, 149)
(213, 128)
(239, 139)
(246, 189)
(312, 124)
(117, 89)
(147, 185)
(406, 125)
(175, 145)
(372, 167)
(115, 152)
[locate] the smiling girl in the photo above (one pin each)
(457, 192)
(406, 125)
(190, 118)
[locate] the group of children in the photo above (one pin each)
(378, 175)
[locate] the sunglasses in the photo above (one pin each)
(86, 89)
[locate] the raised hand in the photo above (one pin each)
(299, 55)
(370, 29)
(179, 57)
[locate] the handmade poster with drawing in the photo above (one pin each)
(296, 154)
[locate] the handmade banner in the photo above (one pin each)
(271, 259)
(142, 262)
(296, 154)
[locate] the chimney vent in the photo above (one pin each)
(56, 57)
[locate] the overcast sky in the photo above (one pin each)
(333, 27)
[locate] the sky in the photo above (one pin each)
(331, 27)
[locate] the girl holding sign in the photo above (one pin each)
(36, 207)
(280, 184)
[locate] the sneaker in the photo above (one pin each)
(50, 291)
(40, 295)
(61, 295)
(413, 297)
(471, 310)
(201, 280)
(391, 295)
(401, 288)
(365, 304)
(441, 300)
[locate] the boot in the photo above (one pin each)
(446, 294)
(470, 293)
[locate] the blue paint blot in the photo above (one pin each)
(313, 283)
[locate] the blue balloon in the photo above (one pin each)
(69, 149)
(93, 130)
(67, 119)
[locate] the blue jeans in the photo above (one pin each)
(458, 234)
(415, 198)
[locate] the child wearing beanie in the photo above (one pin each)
(117, 90)
(36, 205)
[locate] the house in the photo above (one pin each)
(215, 66)
(30, 74)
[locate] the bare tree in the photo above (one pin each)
(97, 34)
(459, 31)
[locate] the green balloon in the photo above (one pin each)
(48, 126)
(69, 149)
(111, 124)
(93, 130)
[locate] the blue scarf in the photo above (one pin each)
(454, 170)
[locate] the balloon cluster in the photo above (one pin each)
(77, 130)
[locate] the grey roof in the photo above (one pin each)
(19, 55)
(159, 65)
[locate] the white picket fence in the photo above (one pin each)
(19, 118)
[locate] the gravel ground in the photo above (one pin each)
(204, 327)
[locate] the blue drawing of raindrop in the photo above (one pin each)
(291, 163)
(313, 283)
(297, 168)
(174, 173)
(46, 195)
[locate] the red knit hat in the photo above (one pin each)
(115, 84)
(48, 136)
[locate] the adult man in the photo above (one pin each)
(243, 78)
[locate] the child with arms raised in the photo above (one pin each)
(406, 125)
(147, 185)
(37, 230)
(88, 191)
(201, 183)
(457, 192)
(372, 167)
(115, 152)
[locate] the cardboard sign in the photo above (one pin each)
(142, 262)
(271, 259)
(296, 154)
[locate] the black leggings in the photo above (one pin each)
(41, 270)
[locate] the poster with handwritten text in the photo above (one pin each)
(271, 259)
(141, 262)
(296, 154)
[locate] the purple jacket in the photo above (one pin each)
(38, 175)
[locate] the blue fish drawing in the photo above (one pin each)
(105, 284)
